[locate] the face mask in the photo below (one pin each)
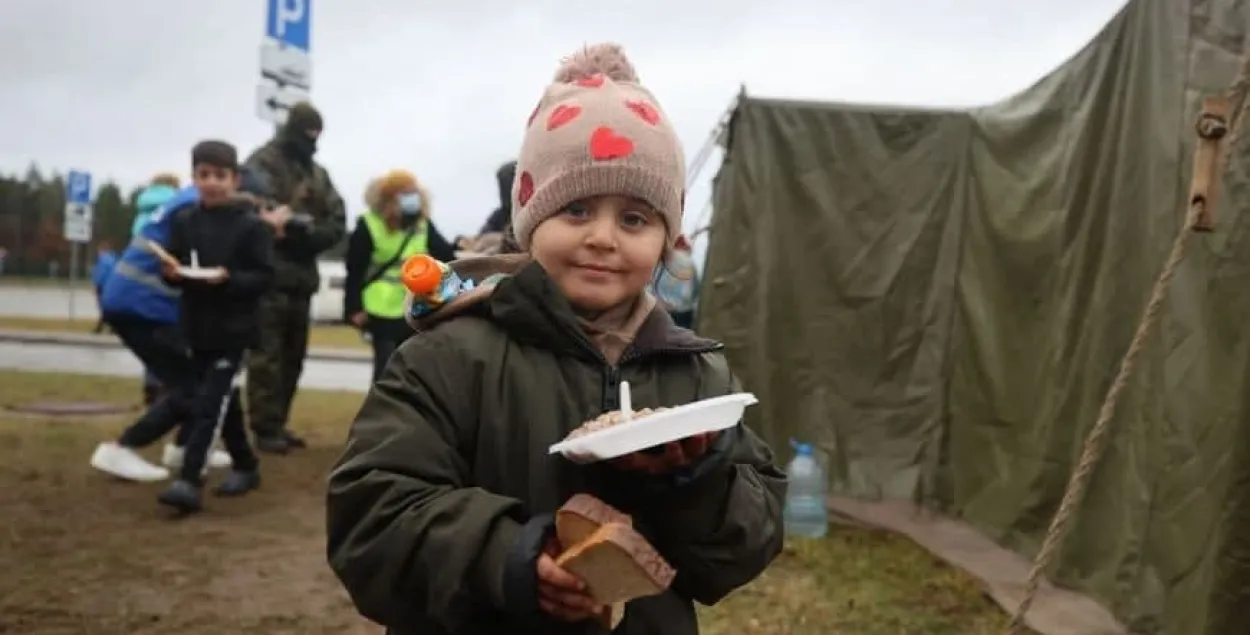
(306, 145)
(301, 144)
(410, 204)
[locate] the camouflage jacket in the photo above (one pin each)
(319, 222)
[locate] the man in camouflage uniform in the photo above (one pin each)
(317, 222)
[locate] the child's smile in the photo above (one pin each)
(601, 251)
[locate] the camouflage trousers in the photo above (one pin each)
(274, 368)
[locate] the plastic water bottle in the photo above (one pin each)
(806, 514)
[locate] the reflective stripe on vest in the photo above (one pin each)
(152, 281)
(384, 298)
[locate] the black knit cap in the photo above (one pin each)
(303, 117)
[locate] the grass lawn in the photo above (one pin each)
(323, 335)
(98, 556)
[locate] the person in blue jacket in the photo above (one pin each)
(163, 188)
(105, 260)
(143, 311)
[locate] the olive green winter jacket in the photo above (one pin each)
(319, 222)
(446, 472)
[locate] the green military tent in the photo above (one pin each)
(940, 299)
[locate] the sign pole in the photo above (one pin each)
(73, 277)
(78, 224)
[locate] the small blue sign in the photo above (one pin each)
(78, 187)
(290, 22)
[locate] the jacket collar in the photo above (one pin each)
(527, 304)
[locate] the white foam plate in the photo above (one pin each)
(707, 415)
(196, 273)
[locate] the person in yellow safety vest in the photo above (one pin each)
(395, 226)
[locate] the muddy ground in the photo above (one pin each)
(82, 554)
(85, 554)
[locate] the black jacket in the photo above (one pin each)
(226, 316)
(359, 261)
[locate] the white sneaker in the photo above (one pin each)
(124, 462)
(172, 458)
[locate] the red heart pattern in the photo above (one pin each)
(525, 190)
(645, 111)
(606, 145)
(591, 81)
(562, 115)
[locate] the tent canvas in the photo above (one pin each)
(939, 300)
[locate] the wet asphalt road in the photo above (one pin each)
(96, 360)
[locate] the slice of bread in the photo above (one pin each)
(611, 615)
(617, 564)
(582, 515)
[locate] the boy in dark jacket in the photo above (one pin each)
(224, 265)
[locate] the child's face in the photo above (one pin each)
(216, 184)
(601, 251)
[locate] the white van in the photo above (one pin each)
(327, 303)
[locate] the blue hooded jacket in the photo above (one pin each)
(104, 263)
(135, 288)
(150, 200)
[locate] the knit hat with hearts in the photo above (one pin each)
(597, 132)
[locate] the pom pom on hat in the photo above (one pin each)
(607, 59)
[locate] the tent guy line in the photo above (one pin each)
(1198, 217)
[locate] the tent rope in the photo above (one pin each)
(1096, 443)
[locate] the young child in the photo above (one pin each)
(440, 509)
(225, 237)
(143, 311)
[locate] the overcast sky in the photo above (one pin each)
(124, 88)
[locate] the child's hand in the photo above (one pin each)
(277, 218)
(562, 594)
(170, 270)
(674, 455)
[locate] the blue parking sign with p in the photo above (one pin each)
(289, 22)
(78, 187)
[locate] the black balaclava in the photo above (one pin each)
(296, 140)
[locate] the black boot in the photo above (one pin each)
(239, 483)
(183, 496)
(273, 443)
(294, 441)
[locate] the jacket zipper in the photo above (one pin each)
(612, 373)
